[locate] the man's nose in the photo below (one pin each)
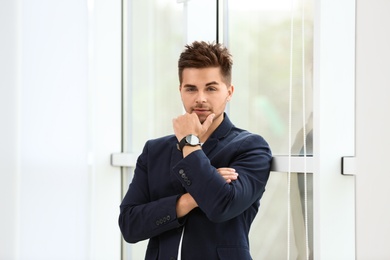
(201, 97)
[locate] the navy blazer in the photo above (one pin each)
(219, 227)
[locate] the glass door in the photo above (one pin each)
(279, 95)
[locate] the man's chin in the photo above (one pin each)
(202, 116)
(202, 119)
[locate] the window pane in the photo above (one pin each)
(268, 235)
(261, 72)
(155, 38)
(259, 37)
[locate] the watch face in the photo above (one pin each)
(192, 139)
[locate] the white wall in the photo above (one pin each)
(53, 107)
(372, 129)
(8, 128)
(60, 121)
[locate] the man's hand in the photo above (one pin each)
(189, 124)
(185, 204)
(229, 174)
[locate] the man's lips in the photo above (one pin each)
(200, 110)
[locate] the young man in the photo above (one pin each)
(195, 194)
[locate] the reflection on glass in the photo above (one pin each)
(259, 37)
(155, 37)
(268, 236)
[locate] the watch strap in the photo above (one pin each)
(183, 142)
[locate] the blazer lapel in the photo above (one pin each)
(209, 145)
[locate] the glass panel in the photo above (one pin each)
(268, 235)
(154, 36)
(261, 76)
(261, 69)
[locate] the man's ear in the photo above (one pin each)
(230, 91)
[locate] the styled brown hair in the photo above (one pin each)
(206, 55)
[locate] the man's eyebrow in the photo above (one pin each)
(212, 83)
(207, 84)
(189, 86)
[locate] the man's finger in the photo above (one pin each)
(209, 120)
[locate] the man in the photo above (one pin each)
(195, 194)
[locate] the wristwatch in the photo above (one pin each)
(191, 140)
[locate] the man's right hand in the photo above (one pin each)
(186, 202)
(189, 124)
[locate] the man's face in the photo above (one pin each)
(203, 92)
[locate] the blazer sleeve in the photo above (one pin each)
(249, 155)
(141, 218)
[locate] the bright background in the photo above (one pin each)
(60, 111)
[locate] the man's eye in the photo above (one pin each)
(190, 89)
(211, 89)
